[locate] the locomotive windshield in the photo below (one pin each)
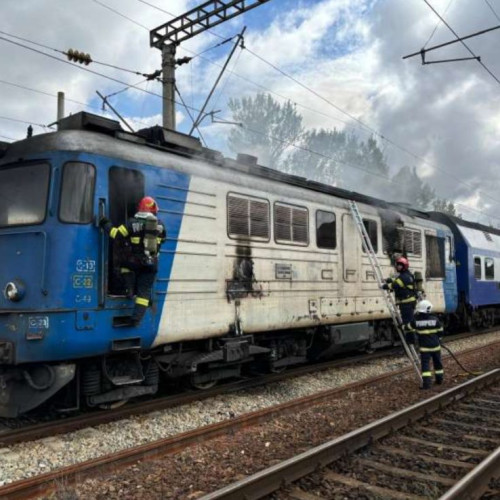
(23, 194)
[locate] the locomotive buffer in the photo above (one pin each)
(389, 299)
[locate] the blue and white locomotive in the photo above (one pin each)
(260, 268)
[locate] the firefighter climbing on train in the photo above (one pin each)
(428, 329)
(138, 242)
(405, 292)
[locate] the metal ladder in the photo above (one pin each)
(388, 297)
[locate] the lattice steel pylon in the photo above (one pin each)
(389, 299)
(167, 36)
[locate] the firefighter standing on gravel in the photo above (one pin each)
(428, 329)
(139, 242)
(404, 290)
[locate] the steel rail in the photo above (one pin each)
(98, 417)
(475, 483)
(269, 480)
(92, 419)
(70, 474)
(46, 482)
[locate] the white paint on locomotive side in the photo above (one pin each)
(294, 286)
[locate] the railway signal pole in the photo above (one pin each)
(194, 22)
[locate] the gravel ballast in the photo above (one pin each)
(30, 459)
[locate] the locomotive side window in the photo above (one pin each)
(23, 194)
(489, 268)
(435, 256)
(77, 193)
(477, 268)
(371, 229)
(326, 230)
(291, 224)
(247, 217)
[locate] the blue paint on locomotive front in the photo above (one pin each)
(60, 317)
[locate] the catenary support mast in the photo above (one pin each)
(194, 22)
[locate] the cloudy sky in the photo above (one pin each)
(444, 119)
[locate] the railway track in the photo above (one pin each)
(15, 432)
(44, 483)
(446, 447)
(33, 431)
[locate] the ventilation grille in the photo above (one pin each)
(248, 217)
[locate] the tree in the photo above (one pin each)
(410, 189)
(337, 158)
(268, 128)
(446, 207)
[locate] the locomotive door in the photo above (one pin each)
(351, 248)
(126, 189)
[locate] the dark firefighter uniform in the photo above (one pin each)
(138, 246)
(404, 292)
(429, 330)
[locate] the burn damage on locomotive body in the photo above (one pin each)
(243, 283)
(392, 224)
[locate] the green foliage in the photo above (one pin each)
(446, 207)
(268, 128)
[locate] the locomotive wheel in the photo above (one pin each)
(202, 386)
(114, 405)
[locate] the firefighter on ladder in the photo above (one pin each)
(429, 330)
(404, 289)
(139, 241)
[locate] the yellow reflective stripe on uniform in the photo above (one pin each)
(430, 349)
(406, 301)
(135, 240)
(125, 270)
(123, 230)
(426, 374)
(113, 232)
(399, 281)
(142, 302)
(429, 332)
(158, 241)
(439, 372)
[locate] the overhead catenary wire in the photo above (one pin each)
(116, 80)
(492, 10)
(368, 127)
(462, 42)
(38, 44)
(41, 125)
(437, 24)
(361, 123)
(192, 108)
(55, 96)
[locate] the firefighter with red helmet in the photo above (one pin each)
(139, 241)
(405, 292)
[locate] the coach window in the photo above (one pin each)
(371, 229)
(434, 248)
(77, 193)
(291, 224)
(247, 217)
(326, 230)
(489, 268)
(477, 268)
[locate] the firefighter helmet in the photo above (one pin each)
(403, 262)
(424, 306)
(148, 204)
